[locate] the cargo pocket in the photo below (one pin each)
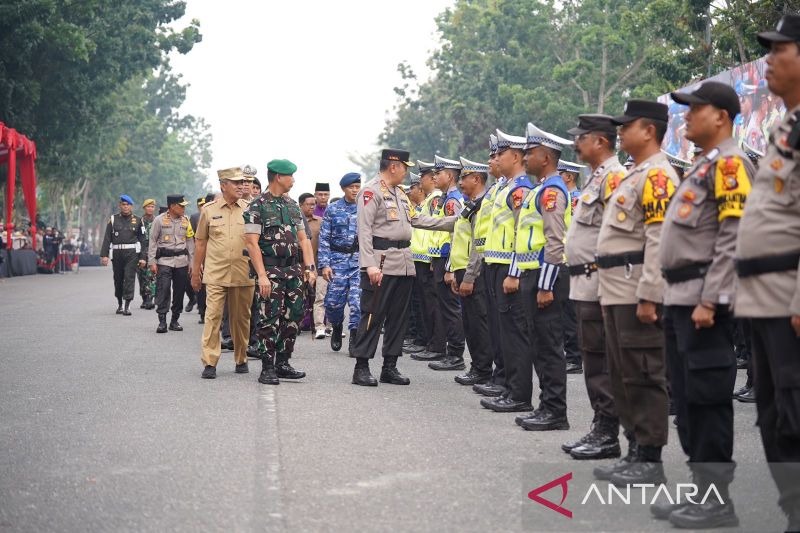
(643, 361)
(711, 376)
(367, 294)
(787, 402)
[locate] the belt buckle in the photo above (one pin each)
(628, 270)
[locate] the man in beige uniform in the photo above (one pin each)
(387, 269)
(631, 290)
(595, 142)
(697, 247)
(219, 241)
(768, 253)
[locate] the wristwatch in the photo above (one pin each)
(311, 268)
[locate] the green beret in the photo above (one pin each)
(283, 167)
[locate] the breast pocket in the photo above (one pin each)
(623, 215)
(785, 181)
(689, 205)
(216, 228)
(590, 210)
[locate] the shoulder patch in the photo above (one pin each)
(613, 179)
(367, 197)
(518, 195)
(659, 181)
(731, 187)
(450, 207)
(550, 199)
(658, 189)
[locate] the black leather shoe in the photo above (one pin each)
(707, 515)
(600, 447)
(127, 309)
(521, 418)
(640, 472)
(571, 445)
(189, 307)
(242, 369)
(175, 326)
(252, 351)
(363, 377)
(202, 320)
(471, 378)
(490, 389)
(209, 372)
(336, 338)
(285, 371)
(393, 377)
(427, 356)
(662, 509)
(505, 405)
(451, 362)
(573, 368)
(227, 344)
(413, 348)
(162, 324)
(268, 375)
(545, 421)
(748, 396)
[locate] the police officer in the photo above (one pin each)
(595, 142)
(124, 242)
(570, 172)
(387, 275)
(768, 253)
(338, 260)
(538, 264)
(418, 331)
(170, 253)
(276, 240)
(697, 247)
(631, 292)
(499, 255)
(147, 281)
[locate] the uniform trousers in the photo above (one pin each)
(513, 337)
(170, 276)
(776, 373)
(419, 329)
(124, 264)
(572, 350)
(430, 302)
(146, 283)
(592, 339)
(449, 308)
(476, 326)
(702, 372)
(546, 335)
(280, 314)
(318, 312)
(385, 306)
(493, 319)
(637, 365)
(239, 300)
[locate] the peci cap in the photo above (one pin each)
(635, 109)
(719, 95)
(401, 156)
(594, 122)
(176, 199)
(788, 30)
(322, 187)
(284, 167)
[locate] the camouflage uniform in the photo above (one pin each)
(278, 220)
(147, 280)
(338, 249)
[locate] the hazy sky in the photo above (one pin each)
(306, 81)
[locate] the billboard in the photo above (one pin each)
(760, 109)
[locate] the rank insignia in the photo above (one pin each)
(393, 214)
(133, 220)
(777, 164)
(689, 196)
(778, 185)
(684, 210)
(166, 237)
(621, 200)
(585, 197)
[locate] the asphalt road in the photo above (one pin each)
(107, 426)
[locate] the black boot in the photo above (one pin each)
(351, 341)
(162, 323)
(362, 375)
(149, 304)
(647, 468)
(451, 362)
(127, 309)
(426, 355)
(285, 370)
(604, 444)
(572, 444)
(268, 374)
(336, 338)
(119, 306)
(546, 420)
(390, 374)
(173, 324)
(605, 472)
(708, 515)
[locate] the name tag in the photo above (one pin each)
(216, 217)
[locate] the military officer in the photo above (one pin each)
(767, 254)
(387, 270)
(499, 253)
(147, 281)
(276, 240)
(170, 253)
(124, 242)
(698, 238)
(595, 143)
(538, 265)
(338, 260)
(631, 290)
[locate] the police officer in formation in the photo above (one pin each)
(338, 260)
(124, 242)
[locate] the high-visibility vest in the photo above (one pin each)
(484, 222)
(530, 240)
(419, 237)
(500, 240)
(439, 243)
(462, 236)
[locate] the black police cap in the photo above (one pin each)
(400, 156)
(635, 109)
(788, 30)
(594, 122)
(176, 199)
(720, 95)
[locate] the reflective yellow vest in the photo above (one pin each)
(484, 222)
(419, 237)
(500, 240)
(530, 240)
(439, 243)
(462, 244)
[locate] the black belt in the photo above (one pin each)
(586, 269)
(685, 273)
(618, 260)
(163, 252)
(379, 243)
(353, 248)
(765, 265)
(280, 261)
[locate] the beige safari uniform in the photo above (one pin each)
(701, 225)
(383, 211)
(226, 274)
(170, 234)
